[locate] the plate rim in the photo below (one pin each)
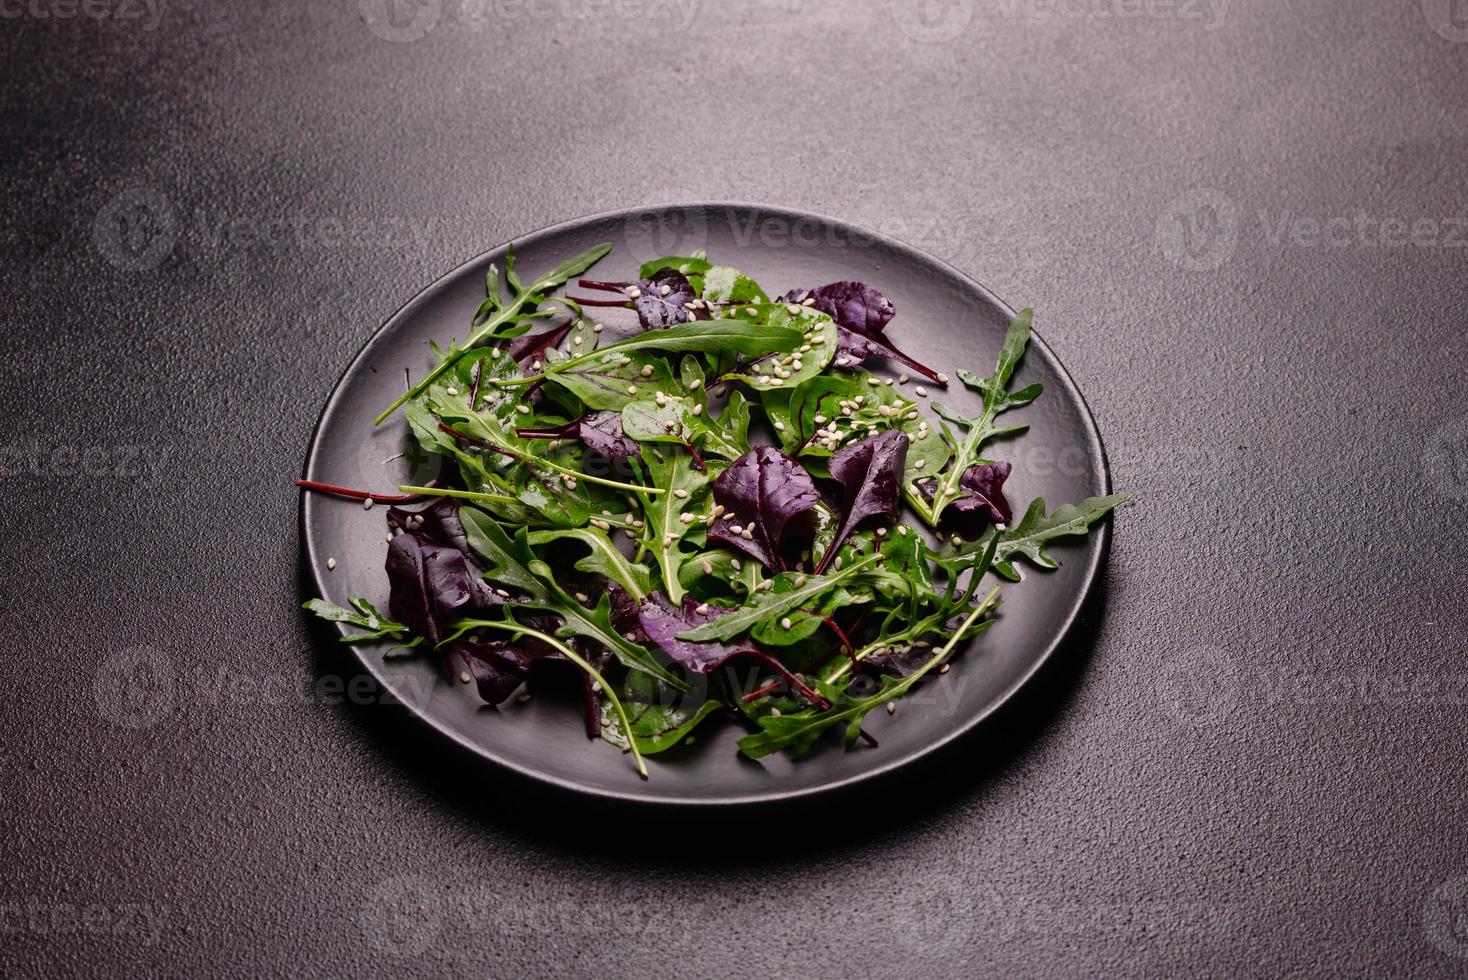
(880, 771)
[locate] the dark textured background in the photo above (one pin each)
(1254, 766)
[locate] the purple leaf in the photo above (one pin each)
(432, 585)
(664, 300)
(861, 314)
(662, 621)
(532, 346)
(870, 474)
(600, 432)
(498, 667)
(761, 492)
(985, 496)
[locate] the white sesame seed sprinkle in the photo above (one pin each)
(942, 379)
(785, 622)
(919, 464)
(646, 371)
(680, 493)
(891, 707)
(452, 390)
(331, 563)
(631, 389)
(921, 391)
(464, 677)
(367, 504)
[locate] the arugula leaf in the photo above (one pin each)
(770, 605)
(611, 383)
(688, 492)
(675, 421)
(501, 314)
(362, 614)
(982, 427)
(722, 284)
(658, 722)
(604, 559)
(513, 564)
(1028, 538)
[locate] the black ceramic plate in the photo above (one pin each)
(944, 319)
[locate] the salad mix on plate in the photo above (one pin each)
(704, 501)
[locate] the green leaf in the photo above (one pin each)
(739, 336)
(526, 296)
(666, 530)
(659, 719)
(776, 367)
(675, 421)
(771, 605)
(362, 614)
(1028, 538)
(722, 284)
(602, 559)
(610, 384)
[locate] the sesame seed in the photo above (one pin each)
(881, 532)
(702, 609)
(919, 464)
(838, 563)
(1001, 528)
(765, 586)
(535, 365)
(793, 309)
(633, 292)
(718, 510)
(667, 541)
(523, 698)
(859, 399)
(464, 677)
(735, 529)
(752, 311)
(902, 531)
(646, 371)
(452, 390)
(600, 524)
(665, 290)
(942, 379)
(747, 534)
(785, 622)
(389, 538)
(576, 340)
(631, 389)
(631, 533)
(903, 379)
(957, 540)
(367, 504)
(921, 391)
(582, 597)
(911, 416)
(819, 420)
(736, 564)
(708, 568)
(331, 563)
(596, 687)
(774, 712)
(779, 426)
(943, 669)
(596, 328)
(501, 593)
(695, 384)
(523, 409)
(891, 707)
(697, 409)
(681, 494)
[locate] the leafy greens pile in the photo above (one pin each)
(614, 509)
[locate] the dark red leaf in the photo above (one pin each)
(870, 474)
(985, 496)
(861, 314)
(762, 492)
(600, 432)
(532, 346)
(662, 621)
